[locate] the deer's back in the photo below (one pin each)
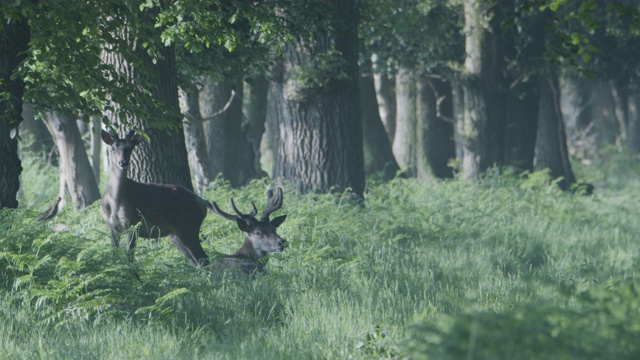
(163, 209)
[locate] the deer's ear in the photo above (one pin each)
(106, 137)
(244, 227)
(278, 221)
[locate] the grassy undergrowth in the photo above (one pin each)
(507, 268)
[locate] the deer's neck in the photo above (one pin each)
(118, 181)
(249, 252)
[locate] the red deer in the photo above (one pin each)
(261, 238)
(156, 210)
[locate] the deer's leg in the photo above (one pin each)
(190, 247)
(132, 237)
(115, 238)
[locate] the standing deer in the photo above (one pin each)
(159, 209)
(261, 238)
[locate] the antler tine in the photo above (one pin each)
(242, 215)
(255, 209)
(225, 215)
(274, 203)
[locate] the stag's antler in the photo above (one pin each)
(274, 203)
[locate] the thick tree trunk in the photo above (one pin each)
(633, 120)
(606, 125)
(42, 142)
(194, 137)
(523, 104)
(576, 101)
(487, 47)
(320, 126)
(551, 144)
(255, 111)
(14, 39)
(405, 141)
(378, 155)
(523, 95)
(164, 158)
(385, 94)
(434, 129)
(475, 110)
(230, 153)
(75, 170)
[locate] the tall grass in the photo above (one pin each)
(508, 268)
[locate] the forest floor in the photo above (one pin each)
(507, 268)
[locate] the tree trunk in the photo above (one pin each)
(633, 120)
(551, 144)
(75, 170)
(378, 155)
(164, 158)
(230, 153)
(576, 101)
(457, 97)
(405, 140)
(606, 126)
(319, 123)
(255, 111)
(487, 47)
(96, 147)
(42, 142)
(619, 94)
(434, 129)
(475, 111)
(523, 96)
(385, 94)
(14, 40)
(194, 137)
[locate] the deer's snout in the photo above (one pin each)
(282, 243)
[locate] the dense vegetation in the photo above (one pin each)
(505, 268)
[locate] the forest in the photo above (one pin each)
(448, 179)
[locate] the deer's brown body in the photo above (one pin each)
(159, 209)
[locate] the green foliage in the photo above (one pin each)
(423, 33)
(510, 266)
(602, 323)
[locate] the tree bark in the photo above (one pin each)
(255, 111)
(385, 94)
(475, 111)
(42, 142)
(434, 129)
(194, 137)
(75, 170)
(457, 98)
(551, 144)
(523, 95)
(576, 101)
(633, 120)
(14, 40)
(319, 122)
(230, 153)
(96, 147)
(405, 140)
(378, 154)
(164, 158)
(606, 126)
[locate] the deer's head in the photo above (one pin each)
(261, 233)
(121, 149)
